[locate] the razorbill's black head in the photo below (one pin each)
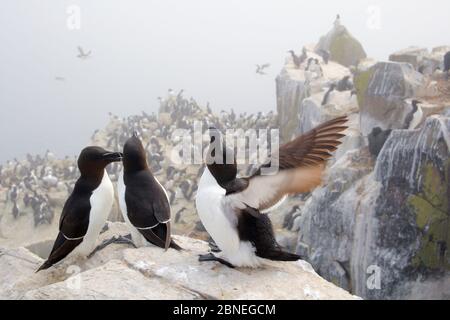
(220, 159)
(135, 158)
(95, 159)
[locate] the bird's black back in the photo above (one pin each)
(74, 220)
(146, 201)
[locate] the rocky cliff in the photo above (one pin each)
(379, 225)
(121, 272)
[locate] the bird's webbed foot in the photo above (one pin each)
(116, 239)
(211, 257)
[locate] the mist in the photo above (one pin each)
(140, 49)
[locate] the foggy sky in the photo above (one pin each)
(142, 48)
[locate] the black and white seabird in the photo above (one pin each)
(337, 21)
(233, 209)
(143, 200)
(345, 84)
(295, 59)
(447, 63)
(87, 208)
(414, 118)
(325, 54)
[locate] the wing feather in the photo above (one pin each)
(301, 164)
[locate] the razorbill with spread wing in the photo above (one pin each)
(87, 208)
(232, 209)
(143, 200)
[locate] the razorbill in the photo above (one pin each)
(143, 200)
(447, 64)
(233, 209)
(87, 208)
(337, 21)
(414, 118)
(295, 59)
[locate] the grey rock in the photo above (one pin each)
(343, 47)
(382, 91)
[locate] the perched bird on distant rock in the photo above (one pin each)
(344, 84)
(303, 56)
(326, 97)
(314, 67)
(377, 138)
(233, 209)
(289, 217)
(87, 208)
(414, 117)
(325, 54)
(260, 68)
(295, 59)
(83, 55)
(447, 63)
(337, 21)
(143, 200)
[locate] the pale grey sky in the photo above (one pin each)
(142, 48)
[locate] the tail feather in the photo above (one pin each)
(168, 239)
(175, 246)
(44, 266)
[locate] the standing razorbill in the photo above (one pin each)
(232, 209)
(87, 208)
(414, 118)
(143, 200)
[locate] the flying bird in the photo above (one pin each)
(83, 55)
(233, 210)
(260, 68)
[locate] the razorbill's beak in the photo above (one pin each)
(113, 156)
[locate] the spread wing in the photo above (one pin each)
(148, 209)
(266, 65)
(80, 50)
(301, 164)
